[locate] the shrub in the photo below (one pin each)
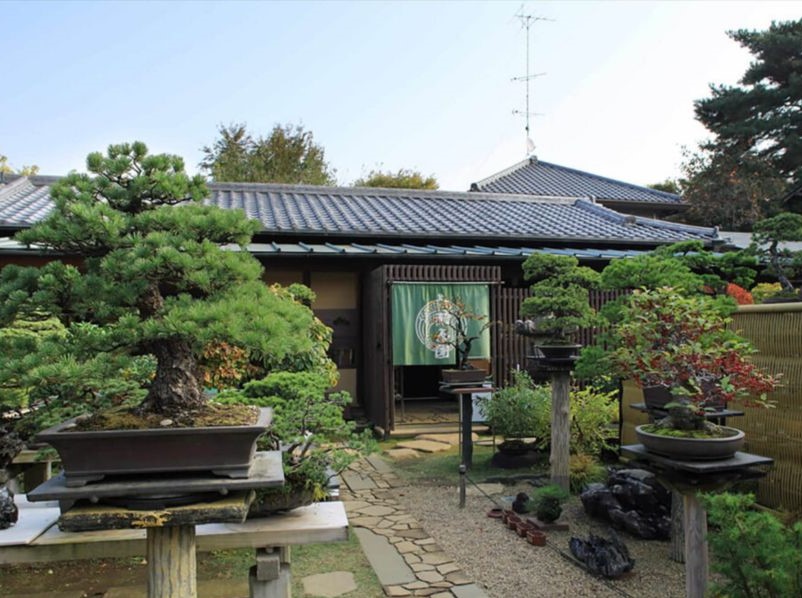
(765, 290)
(519, 410)
(754, 553)
(584, 470)
(592, 412)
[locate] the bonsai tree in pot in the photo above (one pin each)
(683, 343)
(559, 305)
(155, 286)
(316, 442)
(458, 327)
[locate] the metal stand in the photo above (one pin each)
(464, 395)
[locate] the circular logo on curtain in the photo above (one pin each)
(436, 327)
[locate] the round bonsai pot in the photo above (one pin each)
(692, 449)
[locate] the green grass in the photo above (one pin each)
(95, 576)
(308, 559)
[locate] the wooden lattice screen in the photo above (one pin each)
(509, 350)
(776, 331)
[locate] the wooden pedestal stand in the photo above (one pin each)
(719, 418)
(170, 542)
(559, 460)
(689, 478)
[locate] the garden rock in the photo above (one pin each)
(8, 510)
(609, 558)
(632, 500)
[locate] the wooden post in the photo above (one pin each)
(677, 530)
(560, 428)
(696, 558)
(171, 562)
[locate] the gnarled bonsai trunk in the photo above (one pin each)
(176, 387)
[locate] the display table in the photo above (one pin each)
(36, 538)
(167, 511)
(687, 478)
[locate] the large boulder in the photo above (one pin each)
(632, 500)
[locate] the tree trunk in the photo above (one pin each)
(176, 387)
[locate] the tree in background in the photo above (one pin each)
(288, 155)
(667, 186)
(755, 158)
(403, 179)
(762, 115)
(731, 190)
(6, 168)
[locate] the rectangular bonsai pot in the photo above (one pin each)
(88, 456)
(460, 376)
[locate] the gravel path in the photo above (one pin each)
(507, 566)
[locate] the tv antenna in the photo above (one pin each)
(526, 23)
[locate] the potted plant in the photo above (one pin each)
(683, 344)
(559, 305)
(770, 244)
(155, 287)
(308, 428)
(518, 411)
(548, 502)
(458, 327)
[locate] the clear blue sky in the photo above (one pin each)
(422, 85)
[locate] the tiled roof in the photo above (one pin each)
(309, 212)
(535, 177)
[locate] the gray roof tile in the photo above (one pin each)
(535, 177)
(398, 215)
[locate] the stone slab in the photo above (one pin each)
(470, 590)
(379, 464)
(390, 567)
(401, 454)
(452, 439)
(33, 522)
(329, 585)
(356, 482)
(426, 446)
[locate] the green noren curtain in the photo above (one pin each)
(418, 307)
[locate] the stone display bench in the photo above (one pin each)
(687, 478)
(37, 539)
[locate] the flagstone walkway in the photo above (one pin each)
(407, 561)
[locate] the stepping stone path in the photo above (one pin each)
(425, 443)
(329, 585)
(407, 561)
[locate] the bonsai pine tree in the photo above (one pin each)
(559, 304)
(155, 282)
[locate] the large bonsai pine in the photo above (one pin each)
(154, 279)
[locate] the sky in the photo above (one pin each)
(382, 85)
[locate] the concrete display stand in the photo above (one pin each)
(170, 530)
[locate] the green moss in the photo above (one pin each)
(713, 432)
(209, 415)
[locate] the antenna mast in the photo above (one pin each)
(526, 23)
